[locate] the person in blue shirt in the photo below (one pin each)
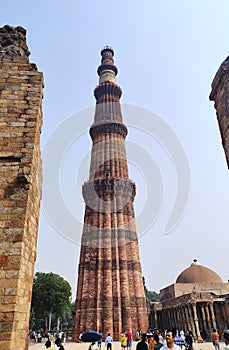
(100, 340)
(108, 342)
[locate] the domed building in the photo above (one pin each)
(197, 301)
(197, 273)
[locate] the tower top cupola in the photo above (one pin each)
(107, 71)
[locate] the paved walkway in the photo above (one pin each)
(116, 346)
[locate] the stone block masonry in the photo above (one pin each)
(21, 87)
(219, 94)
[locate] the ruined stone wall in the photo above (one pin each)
(20, 183)
(219, 94)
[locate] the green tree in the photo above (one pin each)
(150, 295)
(67, 318)
(51, 295)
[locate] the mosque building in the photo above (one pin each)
(198, 301)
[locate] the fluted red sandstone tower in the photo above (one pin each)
(110, 293)
(21, 88)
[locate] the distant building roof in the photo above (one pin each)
(198, 273)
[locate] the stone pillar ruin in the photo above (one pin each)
(212, 315)
(191, 320)
(205, 327)
(208, 318)
(199, 338)
(219, 94)
(21, 88)
(188, 319)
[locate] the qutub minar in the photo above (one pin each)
(110, 293)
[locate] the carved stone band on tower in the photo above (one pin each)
(110, 293)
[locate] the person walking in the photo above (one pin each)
(142, 345)
(189, 341)
(129, 339)
(179, 340)
(226, 339)
(123, 341)
(108, 342)
(93, 346)
(137, 335)
(170, 337)
(215, 339)
(59, 344)
(157, 344)
(100, 340)
(48, 344)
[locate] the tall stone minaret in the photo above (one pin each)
(110, 294)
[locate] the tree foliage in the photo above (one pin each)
(67, 317)
(51, 295)
(150, 295)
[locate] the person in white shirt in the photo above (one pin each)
(170, 337)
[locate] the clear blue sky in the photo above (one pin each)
(167, 53)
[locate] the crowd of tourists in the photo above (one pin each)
(58, 338)
(150, 341)
(172, 340)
